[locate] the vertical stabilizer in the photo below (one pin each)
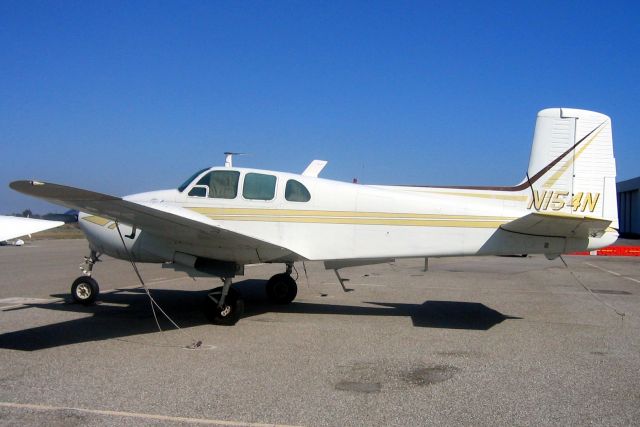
(572, 169)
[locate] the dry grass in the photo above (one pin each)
(67, 231)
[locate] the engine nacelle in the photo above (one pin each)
(103, 237)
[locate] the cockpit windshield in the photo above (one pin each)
(191, 178)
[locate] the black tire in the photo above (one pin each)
(281, 289)
(84, 290)
(230, 312)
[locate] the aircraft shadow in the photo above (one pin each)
(127, 312)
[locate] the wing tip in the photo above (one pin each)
(23, 185)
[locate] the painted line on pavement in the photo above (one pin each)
(204, 421)
(23, 302)
(366, 284)
(612, 272)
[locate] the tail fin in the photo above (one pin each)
(572, 169)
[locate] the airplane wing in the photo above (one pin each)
(12, 226)
(557, 225)
(159, 219)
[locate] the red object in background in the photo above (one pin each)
(614, 251)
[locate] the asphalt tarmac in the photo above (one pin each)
(482, 341)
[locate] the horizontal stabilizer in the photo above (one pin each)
(558, 225)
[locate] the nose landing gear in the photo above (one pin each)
(85, 289)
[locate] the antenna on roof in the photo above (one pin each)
(228, 158)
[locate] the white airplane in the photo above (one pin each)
(223, 218)
(12, 227)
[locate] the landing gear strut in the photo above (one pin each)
(85, 289)
(281, 288)
(224, 304)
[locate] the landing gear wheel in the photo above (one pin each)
(281, 289)
(231, 310)
(84, 290)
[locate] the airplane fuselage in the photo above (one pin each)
(342, 221)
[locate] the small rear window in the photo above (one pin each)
(296, 192)
(259, 186)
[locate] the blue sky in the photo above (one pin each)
(123, 97)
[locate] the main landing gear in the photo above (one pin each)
(85, 289)
(225, 305)
(281, 288)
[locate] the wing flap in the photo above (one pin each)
(160, 219)
(558, 225)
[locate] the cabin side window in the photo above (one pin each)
(296, 192)
(217, 185)
(258, 186)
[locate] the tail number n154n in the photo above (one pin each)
(557, 200)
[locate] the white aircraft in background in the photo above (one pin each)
(12, 227)
(222, 218)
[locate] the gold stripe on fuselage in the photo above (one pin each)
(362, 221)
(336, 214)
(480, 195)
(352, 218)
